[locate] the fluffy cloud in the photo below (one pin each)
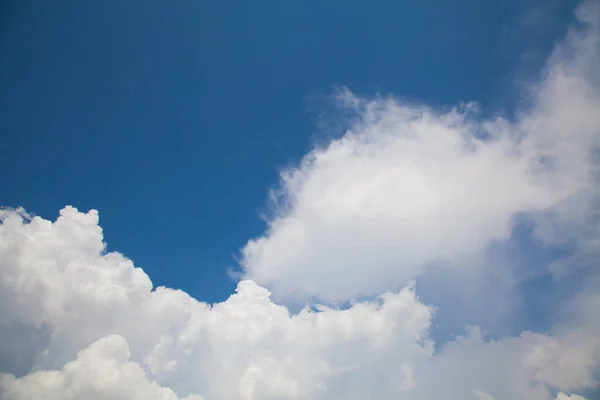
(408, 186)
(405, 187)
(89, 325)
(102, 371)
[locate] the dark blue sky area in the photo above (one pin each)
(171, 118)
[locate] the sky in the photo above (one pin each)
(300, 200)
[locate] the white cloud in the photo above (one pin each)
(102, 371)
(407, 186)
(562, 396)
(101, 332)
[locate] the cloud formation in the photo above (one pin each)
(90, 325)
(101, 371)
(408, 186)
(405, 187)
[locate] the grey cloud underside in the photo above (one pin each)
(407, 187)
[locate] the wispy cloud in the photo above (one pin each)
(407, 186)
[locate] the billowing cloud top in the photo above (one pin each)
(405, 187)
(78, 323)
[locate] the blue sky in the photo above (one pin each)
(172, 121)
(328, 152)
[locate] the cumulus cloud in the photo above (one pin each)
(102, 371)
(405, 187)
(90, 325)
(408, 186)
